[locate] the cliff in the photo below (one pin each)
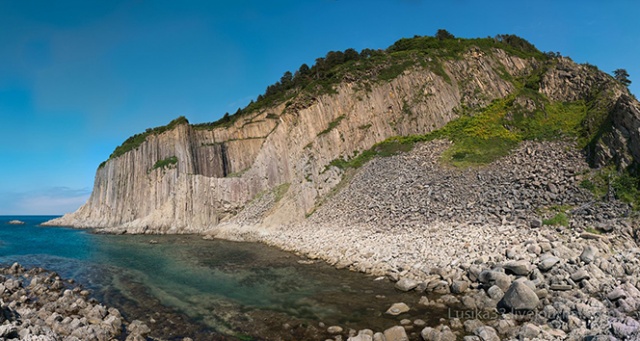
(277, 164)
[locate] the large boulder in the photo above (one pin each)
(518, 267)
(589, 254)
(406, 284)
(494, 277)
(396, 333)
(519, 297)
(547, 262)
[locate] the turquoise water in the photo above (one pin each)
(204, 288)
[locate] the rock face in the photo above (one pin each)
(274, 165)
(219, 170)
(621, 144)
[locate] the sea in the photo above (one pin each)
(185, 286)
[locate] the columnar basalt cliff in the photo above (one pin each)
(192, 178)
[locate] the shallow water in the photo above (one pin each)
(186, 286)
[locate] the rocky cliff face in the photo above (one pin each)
(283, 153)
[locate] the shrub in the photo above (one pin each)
(172, 160)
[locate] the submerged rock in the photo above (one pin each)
(398, 308)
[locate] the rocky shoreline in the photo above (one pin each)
(481, 239)
(38, 305)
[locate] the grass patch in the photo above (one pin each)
(592, 230)
(389, 147)
(280, 191)
(474, 152)
(332, 125)
(588, 185)
(164, 163)
(558, 119)
(560, 219)
(394, 70)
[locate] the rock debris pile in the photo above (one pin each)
(481, 239)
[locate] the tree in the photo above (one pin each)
(304, 70)
(366, 53)
(351, 54)
(286, 79)
(622, 76)
(443, 34)
(319, 67)
(516, 42)
(334, 58)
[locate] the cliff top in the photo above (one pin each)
(364, 67)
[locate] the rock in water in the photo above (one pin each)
(16, 222)
(334, 330)
(519, 297)
(406, 284)
(398, 308)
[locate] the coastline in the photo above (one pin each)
(578, 280)
(39, 305)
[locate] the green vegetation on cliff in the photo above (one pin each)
(609, 181)
(172, 160)
(480, 136)
(364, 67)
(370, 65)
(136, 140)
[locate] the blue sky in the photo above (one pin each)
(78, 77)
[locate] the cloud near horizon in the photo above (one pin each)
(50, 201)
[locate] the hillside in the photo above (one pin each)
(301, 138)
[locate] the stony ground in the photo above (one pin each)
(38, 305)
(476, 237)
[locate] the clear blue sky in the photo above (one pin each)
(78, 77)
